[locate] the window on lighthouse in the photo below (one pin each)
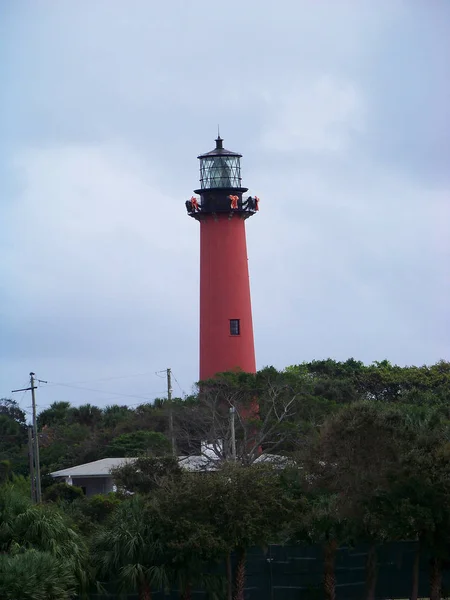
(220, 172)
(235, 327)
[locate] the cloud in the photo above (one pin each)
(352, 265)
(315, 117)
(100, 261)
(91, 219)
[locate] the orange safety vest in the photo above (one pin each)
(234, 201)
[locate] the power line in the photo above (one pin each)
(21, 399)
(106, 378)
(76, 387)
(181, 389)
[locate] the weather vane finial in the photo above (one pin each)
(218, 131)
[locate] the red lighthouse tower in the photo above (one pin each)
(226, 329)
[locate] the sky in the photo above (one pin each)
(341, 109)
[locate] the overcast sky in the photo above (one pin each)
(341, 109)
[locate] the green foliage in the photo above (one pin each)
(10, 409)
(34, 575)
(44, 531)
(251, 522)
(323, 520)
(62, 492)
(380, 381)
(5, 471)
(188, 523)
(99, 507)
(138, 443)
(318, 389)
(369, 449)
(60, 445)
(89, 514)
(20, 485)
(57, 413)
(115, 415)
(217, 499)
(127, 550)
(86, 414)
(11, 431)
(146, 474)
(13, 437)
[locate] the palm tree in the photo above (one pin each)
(87, 414)
(34, 575)
(46, 529)
(115, 414)
(12, 503)
(36, 540)
(128, 550)
(323, 524)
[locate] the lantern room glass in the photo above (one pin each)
(220, 172)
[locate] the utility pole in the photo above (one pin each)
(31, 463)
(36, 442)
(233, 433)
(169, 401)
(36, 474)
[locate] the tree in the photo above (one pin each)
(418, 499)
(11, 409)
(89, 514)
(128, 551)
(13, 436)
(5, 471)
(116, 414)
(381, 381)
(324, 524)
(12, 433)
(151, 417)
(388, 467)
(34, 575)
(264, 406)
(185, 544)
(146, 474)
(62, 445)
(215, 502)
(98, 508)
(138, 443)
(86, 414)
(34, 536)
(62, 492)
(349, 467)
(56, 413)
(192, 545)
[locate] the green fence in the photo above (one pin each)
(296, 573)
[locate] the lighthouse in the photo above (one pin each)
(226, 328)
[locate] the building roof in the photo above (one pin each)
(98, 468)
(103, 467)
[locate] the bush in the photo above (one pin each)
(62, 492)
(99, 507)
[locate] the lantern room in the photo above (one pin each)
(221, 186)
(220, 168)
